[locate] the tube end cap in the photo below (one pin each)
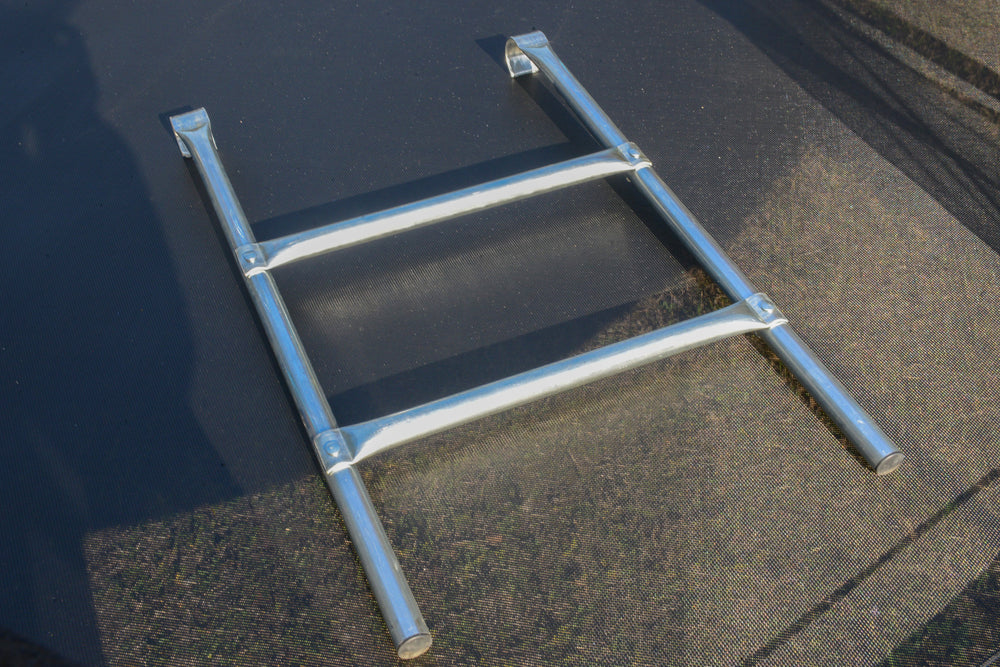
(889, 463)
(413, 647)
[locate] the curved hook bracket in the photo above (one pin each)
(518, 62)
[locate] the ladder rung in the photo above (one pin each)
(532, 52)
(371, 226)
(338, 449)
(371, 437)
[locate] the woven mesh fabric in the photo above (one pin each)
(427, 314)
(699, 511)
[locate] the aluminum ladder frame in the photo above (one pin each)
(339, 448)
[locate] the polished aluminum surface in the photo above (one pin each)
(399, 608)
(371, 226)
(369, 438)
(870, 441)
(852, 420)
(534, 48)
(338, 449)
(705, 249)
(386, 578)
(530, 53)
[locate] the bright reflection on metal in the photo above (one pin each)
(371, 437)
(385, 577)
(883, 456)
(338, 449)
(377, 225)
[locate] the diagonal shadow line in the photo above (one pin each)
(873, 105)
(827, 603)
(936, 50)
(388, 197)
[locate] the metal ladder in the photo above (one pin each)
(339, 448)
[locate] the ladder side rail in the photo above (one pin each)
(530, 53)
(385, 576)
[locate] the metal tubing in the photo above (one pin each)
(755, 313)
(299, 375)
(695, 237)
(385, 577)
(399, 609)
(871, 442)
(531, 53)
(377, 225)
(853, 421)
(338, 449)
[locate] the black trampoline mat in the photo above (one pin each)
(160, 501)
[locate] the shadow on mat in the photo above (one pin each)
(851, 584)
(948, 149)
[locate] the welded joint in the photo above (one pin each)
(189, 123)
(765, 310)
(633, 155)
(251, 258)
(333, 450)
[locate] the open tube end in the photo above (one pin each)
(414, 647)
(190, 121)
(519, 64)
(889, 463)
